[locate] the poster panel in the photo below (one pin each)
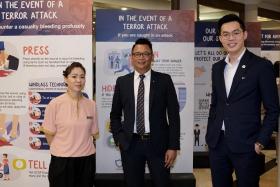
(38, 40)
(172, 35)
(270, 49)
(208, 50)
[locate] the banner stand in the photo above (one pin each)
(278, 148)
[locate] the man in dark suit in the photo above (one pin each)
(240, 84)
(151, 134)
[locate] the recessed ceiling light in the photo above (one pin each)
(123, 8)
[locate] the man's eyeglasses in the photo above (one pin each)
(139, 55)
(236, 33)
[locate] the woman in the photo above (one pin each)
(69, 125)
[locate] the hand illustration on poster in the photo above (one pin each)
(9, 130)
(8, 63)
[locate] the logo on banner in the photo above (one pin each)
(118, 163)
(111, 142)
(11, 167)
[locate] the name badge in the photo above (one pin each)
(89, 117)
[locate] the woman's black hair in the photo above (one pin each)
(68, 70)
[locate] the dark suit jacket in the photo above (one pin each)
(163, 109)
(254, 83)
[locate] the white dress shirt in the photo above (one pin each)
(147, 83)
(229, 72)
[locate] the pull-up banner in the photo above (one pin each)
(39, 38)
(172, 35)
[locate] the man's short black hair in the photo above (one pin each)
(230, 18)
(143, 41)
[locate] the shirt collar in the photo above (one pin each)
(238, 59)
(147, 74)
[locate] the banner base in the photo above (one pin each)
(117, 180)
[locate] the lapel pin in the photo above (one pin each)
(243, 66)
(242, 78)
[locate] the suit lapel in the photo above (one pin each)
(222, 79)
(152, 89)
(130, 87)
(240, 73)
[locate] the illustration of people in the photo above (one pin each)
(35, 113)
(6, 169)
(114, 60)
(34, 98)
(35, 128)
(196, 132)
(117, 62)
(8, 131)
(8, 63)
(125, 63)
(111, 60)
(35, 143)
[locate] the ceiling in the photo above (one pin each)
(206, 13)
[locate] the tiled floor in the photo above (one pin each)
(268, 179)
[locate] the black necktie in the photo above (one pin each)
(140, 120)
